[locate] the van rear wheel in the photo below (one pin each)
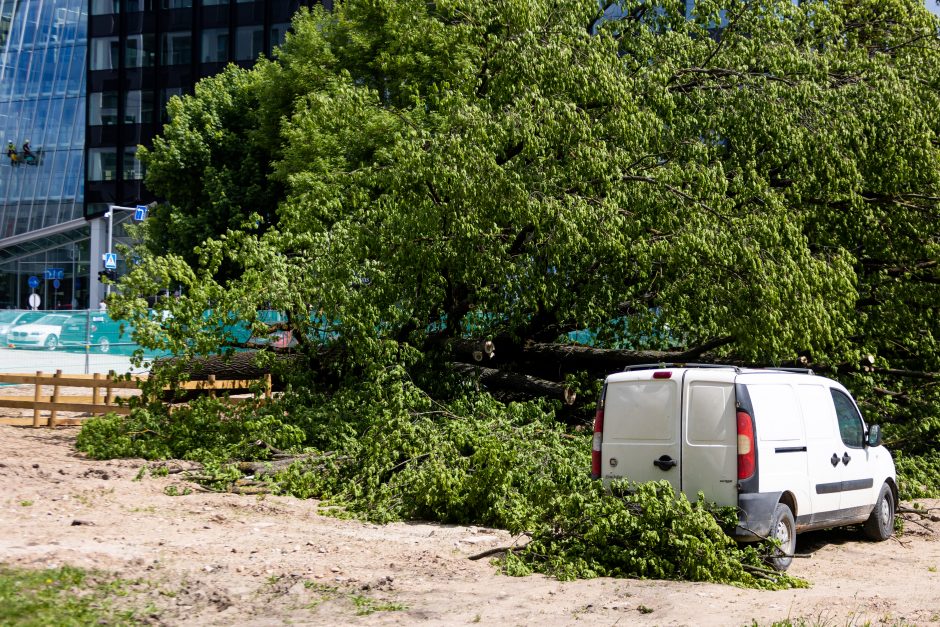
(880, 525)
(782, 529)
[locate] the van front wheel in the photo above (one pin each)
(880, 525)
(782, 529)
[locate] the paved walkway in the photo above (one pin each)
(28, 361)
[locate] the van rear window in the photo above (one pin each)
(641, 411)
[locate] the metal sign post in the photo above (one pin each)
(110, 257)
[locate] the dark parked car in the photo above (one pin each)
(105, 336)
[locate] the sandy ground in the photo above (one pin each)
(221, 559)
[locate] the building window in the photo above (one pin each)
(133, 169)
(105, 7)
(249, 43)
(278, 31)
(165, 95)
(177, 4)
(102, 164)
(210, 3)
(104, 53)
(214, 45)
(133, 6)
(102, 108)
(138, 107)
(177, 48)
(139, 50)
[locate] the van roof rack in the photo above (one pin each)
(678, 365)
(735, 368)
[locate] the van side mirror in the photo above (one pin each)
(874, 435)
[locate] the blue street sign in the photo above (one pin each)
(33, 282)
(140, 214)
(56, 283)
(54, 273)
(110, 261)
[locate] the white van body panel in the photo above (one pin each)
(680, 424)
(821, 432)
(780, 438)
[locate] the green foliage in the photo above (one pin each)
(61, 596)
(919, 475)
(525, 169)
(207, 429)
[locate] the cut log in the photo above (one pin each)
(516, 382)
(227, 367)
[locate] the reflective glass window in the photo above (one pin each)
(214, 45)
(165, 95)
(177, 4)
(209, 3)
(249, 42)
(105, 7)
(133, 169)
(103, 108)
(102, 164)
(132, 6)
(140, 50)
(177, 48)
(138, 107)
(104, 53)
(278, 31)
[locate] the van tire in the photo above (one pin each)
(782, 528)
(880, 525)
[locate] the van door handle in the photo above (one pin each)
(845, 458)
(665, 462)
(834, 460)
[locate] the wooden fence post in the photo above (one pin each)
(55, 398)
(36, 394)
(110, 396)
(211, 386)
(95, 391)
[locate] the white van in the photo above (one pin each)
(789, 449)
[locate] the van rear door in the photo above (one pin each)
(709, 436)
(641, 427)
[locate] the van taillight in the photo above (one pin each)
(747, 456)
(598, 438)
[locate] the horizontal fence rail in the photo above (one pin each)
(104, 396)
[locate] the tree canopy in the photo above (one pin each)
(752, 180)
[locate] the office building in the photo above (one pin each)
(43, 232)
(84, 82)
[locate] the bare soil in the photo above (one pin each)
(221, 559)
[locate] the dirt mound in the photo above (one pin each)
(205, 558)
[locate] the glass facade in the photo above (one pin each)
(43, 45)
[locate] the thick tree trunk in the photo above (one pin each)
(499, 380)
(227, 367)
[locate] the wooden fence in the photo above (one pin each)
(104, 397)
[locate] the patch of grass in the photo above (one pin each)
(25, 503)
(173, 490)
(324, 592)
(62, 596)
(365, 605)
